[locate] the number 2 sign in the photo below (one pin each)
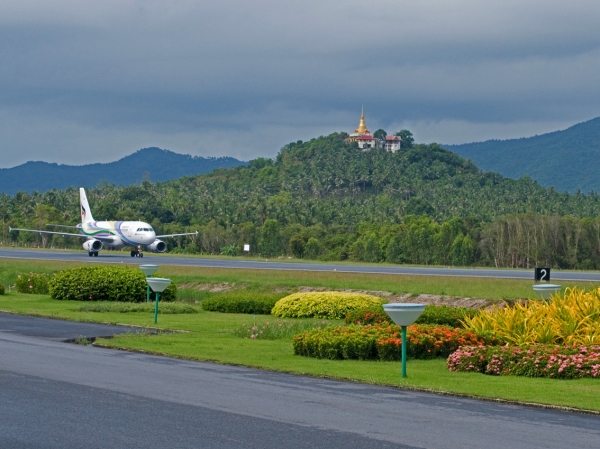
(542, 274)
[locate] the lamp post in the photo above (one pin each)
(158, 285)
(403, 315)
(148, 270)
(546, 290)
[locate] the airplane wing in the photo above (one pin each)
(176, 235)
(64, 234)
(63, 226)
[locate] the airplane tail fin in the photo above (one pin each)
(86, 213)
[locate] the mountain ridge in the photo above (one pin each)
(567, 160)
(151, 163)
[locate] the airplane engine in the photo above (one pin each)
(158, 246)
(92, 245)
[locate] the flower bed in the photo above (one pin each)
(330, 305)
(385, 342)
(557, 362)
(569, 319)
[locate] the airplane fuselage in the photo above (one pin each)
(111, 234)
(119, 234)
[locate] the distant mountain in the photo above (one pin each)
(567, 160)
(153, 164)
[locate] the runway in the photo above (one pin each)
(118, 257)
(61, 395)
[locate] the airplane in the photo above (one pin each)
(112, 234)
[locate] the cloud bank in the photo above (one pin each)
(87, 82)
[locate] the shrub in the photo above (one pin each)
(372, 316)
(446, 316)
(569, 319)
(2, 289)
(332, 305)
(278, 329)
(120, 307)
(442, 315)
(241, 302)
(32, 283)
(104, 284)
(385, 342)
(556, 362)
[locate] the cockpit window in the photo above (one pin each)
(139, 229)
(151, 229)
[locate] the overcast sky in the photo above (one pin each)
(93, 81)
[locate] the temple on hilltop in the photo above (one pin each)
(362, 136)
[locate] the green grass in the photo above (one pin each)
(210, 337)
(269, 280)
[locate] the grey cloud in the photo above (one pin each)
(186, 72)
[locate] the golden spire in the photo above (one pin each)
(362, 127)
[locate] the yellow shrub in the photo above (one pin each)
(332, 305)
(569, 319)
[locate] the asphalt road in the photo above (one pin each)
(60, 330)
(117, 257)
(60, 395)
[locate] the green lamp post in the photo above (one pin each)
(404, 314)
(157, 285)
(148, 270)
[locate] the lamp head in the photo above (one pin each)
(158, 284)
(404, 314)
(149, 270)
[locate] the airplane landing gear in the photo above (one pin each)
(137, 253)
(93, 253)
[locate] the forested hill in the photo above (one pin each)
(327, 199)
(568, 160)
(330, 182)
(148, 163)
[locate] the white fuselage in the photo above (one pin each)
(118, 234)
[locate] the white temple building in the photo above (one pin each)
(365, 140)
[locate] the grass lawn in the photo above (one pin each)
(209, 337)
(485, 288)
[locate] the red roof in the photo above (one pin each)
(365, 137)
(394, 138)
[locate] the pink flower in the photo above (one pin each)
(31, 286)
(253, 336)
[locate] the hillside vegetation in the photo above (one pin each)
(326, 199)
(567, 160)
(148, 163)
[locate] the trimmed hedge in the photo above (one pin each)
(441, 315)
(239, 303)
(104, 284)
(385, 342)
(554, 362)
(330, 305)
(33, 283)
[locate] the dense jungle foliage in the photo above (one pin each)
(326, 199)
